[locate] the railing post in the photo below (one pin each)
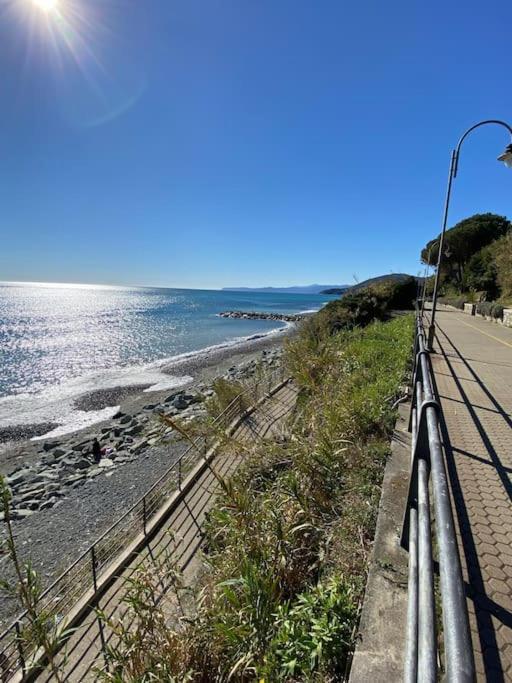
(19, 644)
(144, 515)
(93, 565)
(179, 473)
(98, 616)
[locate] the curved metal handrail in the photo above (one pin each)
(428, 471)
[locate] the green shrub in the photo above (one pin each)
(360, 308)
(314, 635)
(497, 311)
(484, 308)
(225, 393)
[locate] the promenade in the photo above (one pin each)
(472, 367)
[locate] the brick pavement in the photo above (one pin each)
(473, 373)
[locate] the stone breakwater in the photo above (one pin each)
(254, 315)
(67, 463)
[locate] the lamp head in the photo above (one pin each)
(506, 157)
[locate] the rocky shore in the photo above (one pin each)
(67, 463)
(63, 500)
(255, 315)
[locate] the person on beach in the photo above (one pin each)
(96, 450)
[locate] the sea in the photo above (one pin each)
(59, 341)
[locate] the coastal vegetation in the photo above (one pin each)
(477, 260)
(360, 307)
(287, 543)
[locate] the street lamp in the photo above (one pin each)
(506, 158)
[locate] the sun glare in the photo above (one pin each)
(46, 5)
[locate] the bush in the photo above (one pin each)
(504, 266)
(364, 306)
(484, 308)
(497, 311)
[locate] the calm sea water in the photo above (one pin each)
(60, 341)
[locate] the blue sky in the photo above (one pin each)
(217, 143)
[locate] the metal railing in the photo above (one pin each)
(428, 474)
(81, 576)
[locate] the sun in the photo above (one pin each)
(46, 5)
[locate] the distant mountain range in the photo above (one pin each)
(321, 289)
(306, 289)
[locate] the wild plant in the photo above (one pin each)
(41, 630)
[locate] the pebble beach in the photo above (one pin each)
(61, 495)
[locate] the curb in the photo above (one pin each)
(379, 654)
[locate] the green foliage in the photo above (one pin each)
(481, 271)
(471, 254)
(484, 308)
(504, 267)
(225, 393)
(40, 628)
(362, 307)
(288, 541)
(314, 636)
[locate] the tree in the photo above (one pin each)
(463, 241)
(481, 271)
(504, 266)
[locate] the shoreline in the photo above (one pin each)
(186, 369)
(59, 493)
(24, 441)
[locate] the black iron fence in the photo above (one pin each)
(428, 476)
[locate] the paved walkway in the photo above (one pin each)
(179, 537)
(473, 372)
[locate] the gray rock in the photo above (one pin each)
(50, 445)
(32, 504)
(30, 495)
(138, 448)
(150, 406)
(132, 431)
(49, 503)
(172, 396)
(20, 477)
(106, 462)
(180, 403)
(21, 513)
(80, 446)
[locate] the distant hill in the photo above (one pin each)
(380, 279)
(335, 290)
(306, 289)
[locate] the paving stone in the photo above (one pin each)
(473, 373)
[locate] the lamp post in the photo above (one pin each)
(506, 158)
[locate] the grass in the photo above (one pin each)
(288, 542)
